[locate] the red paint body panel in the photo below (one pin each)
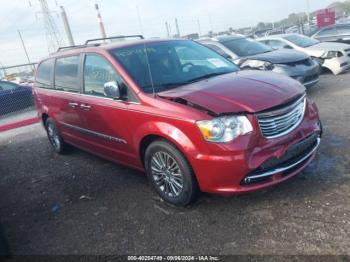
(219, 168)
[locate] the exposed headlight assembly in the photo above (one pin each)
(332, 54)
(257, 64)
(224, 129)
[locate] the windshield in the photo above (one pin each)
(171, 64)
(246, 47)
(300, 40)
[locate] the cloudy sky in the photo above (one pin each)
(121, 17)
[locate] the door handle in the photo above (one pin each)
(85, 106)
(73, 104)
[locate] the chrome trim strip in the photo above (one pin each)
(275, 113)
(290, 129)
(90, 132)
(87, 95)
(281, 169)
(311, 82)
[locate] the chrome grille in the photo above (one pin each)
(282, 121)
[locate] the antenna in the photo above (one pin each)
(53, 36)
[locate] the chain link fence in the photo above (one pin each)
(16, 96)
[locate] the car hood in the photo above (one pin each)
(321, 48)
(280, 56)
(244, 91)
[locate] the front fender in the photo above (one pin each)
(169, 132)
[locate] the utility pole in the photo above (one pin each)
(199, 28)
(67, 27)
(211, 23)
(3, 69)
(100, 22)
(177, 28)
(24, 47)
(167, 29)
(53, 36)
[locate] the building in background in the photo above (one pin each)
(325, 18)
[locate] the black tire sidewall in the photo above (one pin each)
(59, 149)
(190, 187)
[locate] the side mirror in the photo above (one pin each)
(227, 56)
(287, 47)
(112, 90)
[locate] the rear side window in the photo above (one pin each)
(66, 74)
(44, 74)
(343, 29)
(277, 44)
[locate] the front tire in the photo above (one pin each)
(54, 136)
(170, 173)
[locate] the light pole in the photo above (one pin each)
(308, 13)
(24, 47)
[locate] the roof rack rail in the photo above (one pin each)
(97, 39)
(70, 47)
(114, 37)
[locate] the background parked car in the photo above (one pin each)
(334, 33)
(14, 97)
(330, 55)
(250, 54)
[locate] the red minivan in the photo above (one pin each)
(180, 112)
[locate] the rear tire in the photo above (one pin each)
(55, 138)
(170, 173)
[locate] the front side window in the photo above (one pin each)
(246, 47)
(66, 74)
(6, 86)
(168, 64)
(97, 72)
(44, 74)
(301, 40)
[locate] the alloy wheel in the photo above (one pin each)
(167, 174)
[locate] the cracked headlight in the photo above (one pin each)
(257, 64)
(224, 129)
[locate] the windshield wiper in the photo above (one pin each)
(167, 86)
(196, 79)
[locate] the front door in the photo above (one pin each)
(105, 119)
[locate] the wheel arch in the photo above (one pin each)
(169, 133)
